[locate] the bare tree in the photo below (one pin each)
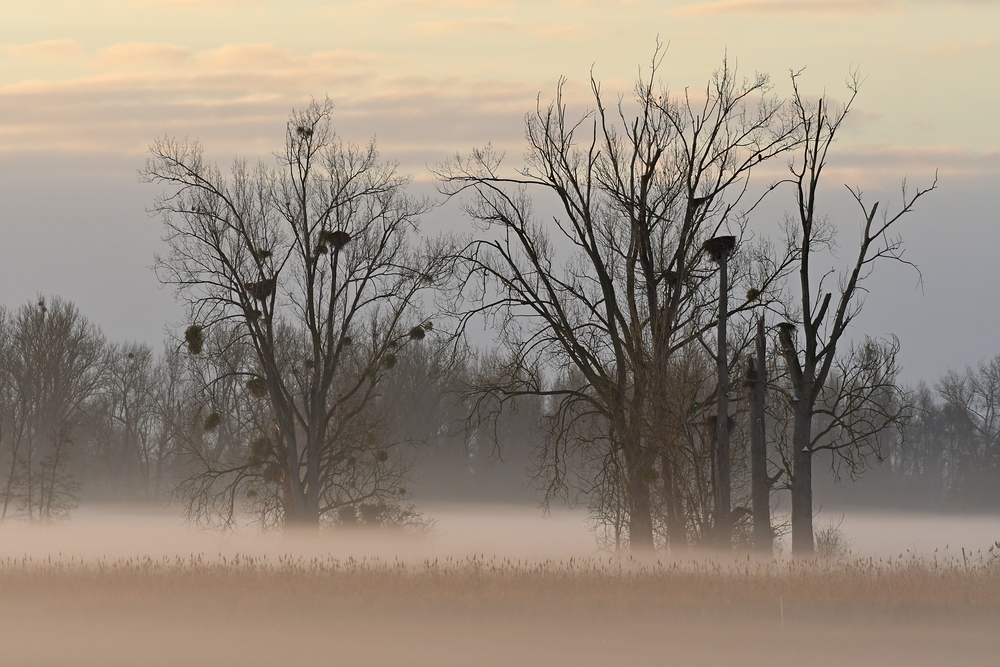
(123, 422)
(52, 364)
(968, 426)
(603, 295)
(313, 267)
(856, 394)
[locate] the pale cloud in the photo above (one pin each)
(885, 166)
(187, 5)
(478, 5)
(49, 50)
(480, 25)
(806, 7)
(237, 98)
(959, 49)
(250, 56)
(136, 55)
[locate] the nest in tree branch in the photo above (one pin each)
(417, 333)
(260, 451)
(753, 294)
(257, 387)
(262, 289)
(212, 421)
(194, 338)
(712, 422)
(303, 131)
(719, 247)
(389, 361)
(335, 240)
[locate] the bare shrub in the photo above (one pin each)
(831, 542)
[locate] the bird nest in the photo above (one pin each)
(336, 240)
(212, 421)
(719, 247)
(257, 386)
(262, 289)
(194, 338)
(669, 277)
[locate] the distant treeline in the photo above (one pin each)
(948, 458)
(83, 418)
(88, 419)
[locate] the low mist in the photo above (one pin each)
(485, 584)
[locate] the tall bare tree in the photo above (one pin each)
(316, 267)
(606, 292)
(856, 394)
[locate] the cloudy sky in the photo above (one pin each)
(85, 85)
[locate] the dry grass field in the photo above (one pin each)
(301, 602)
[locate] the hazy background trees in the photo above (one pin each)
(53, 366)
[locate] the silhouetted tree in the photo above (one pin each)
(856, 394)
(590, 307)
(314, 269)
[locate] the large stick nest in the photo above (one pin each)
(261, 290)
(335, 240)
(719, 247)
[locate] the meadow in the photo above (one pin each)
(196, 599)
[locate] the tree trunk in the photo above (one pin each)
(676, 533)
(802, 505)
(640, 520)
(311, 514)
(763, 535)
(723, 524)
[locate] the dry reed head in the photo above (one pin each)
(906, 585)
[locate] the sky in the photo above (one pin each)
(85, 86)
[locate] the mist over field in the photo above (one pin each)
(490, 585)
